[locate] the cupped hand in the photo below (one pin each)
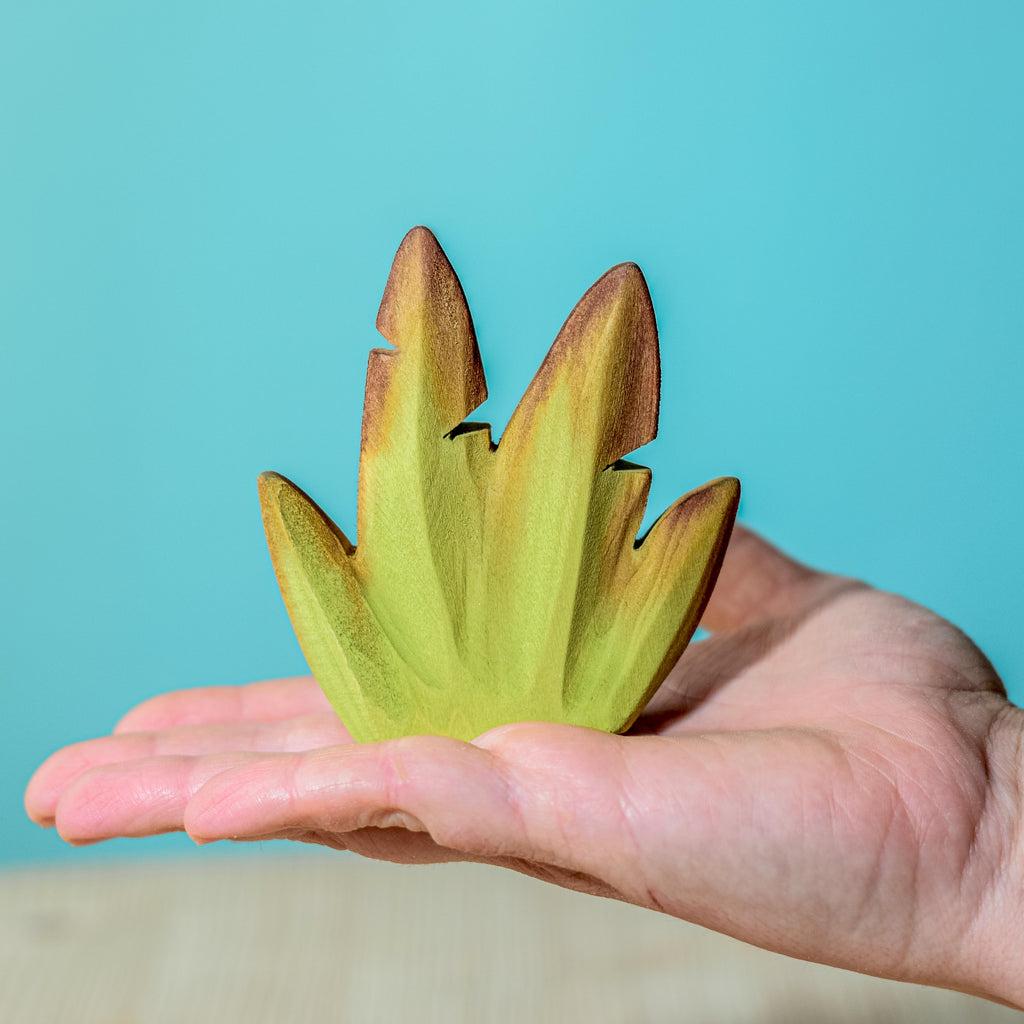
(834, 774)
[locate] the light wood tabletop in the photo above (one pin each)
(334, 938)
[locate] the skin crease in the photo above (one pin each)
(834, 774)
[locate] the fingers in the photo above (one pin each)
(398, 783)
(242, 795)
(278, 714)
(757, 582)
(266, 701)
(136, 798)
(58, 772)
(538, 792)
(483, 800)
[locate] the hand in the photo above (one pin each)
(835, 774)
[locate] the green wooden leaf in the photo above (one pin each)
(498, 584)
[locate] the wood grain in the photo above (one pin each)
(286, 939)
(499, 583)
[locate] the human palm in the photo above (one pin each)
(833, 774)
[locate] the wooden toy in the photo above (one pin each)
(498, 583)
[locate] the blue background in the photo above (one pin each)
(199, 202)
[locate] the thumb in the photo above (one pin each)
(758, 582)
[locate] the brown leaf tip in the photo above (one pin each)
(616, 315)
(420, 264)
(424, 311)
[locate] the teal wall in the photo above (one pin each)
(199, 202)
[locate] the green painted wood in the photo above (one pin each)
(494, 584)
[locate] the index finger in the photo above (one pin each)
(267, 701)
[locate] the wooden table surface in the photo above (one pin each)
(335, 938)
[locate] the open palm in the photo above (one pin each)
(833, 774)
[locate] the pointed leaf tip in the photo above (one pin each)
(273, 489)
(606, 353)
(621, 295)
(418, 251)
(424, 315)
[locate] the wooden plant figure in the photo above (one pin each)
(499, 583)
